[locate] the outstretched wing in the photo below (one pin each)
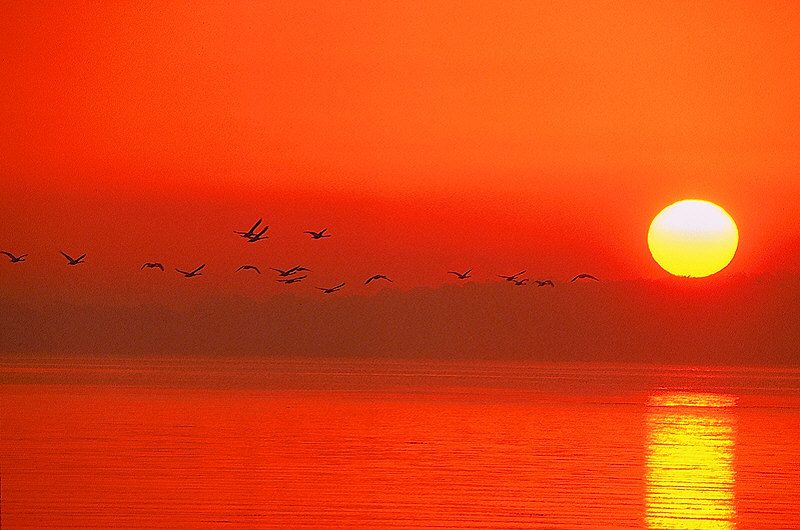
(198, 268)
(66, 256)
(369, 279)
(256, 225)
(81, 257)
(10, 255)
(160, 266)
(339, 286)
(182, 272)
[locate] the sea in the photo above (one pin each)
(230, 442)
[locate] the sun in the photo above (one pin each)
(693, 238)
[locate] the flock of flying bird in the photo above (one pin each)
(294, 275)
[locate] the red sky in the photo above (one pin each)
(426, 136)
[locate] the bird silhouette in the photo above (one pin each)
(73, 261)
(293, 279)
(289, 272)
(461, 276)
(251, 232)
(153, 266)
(523, 281)
(13, 258)
(195, 272)
(376, 277)
(587, 276)
(252, 238)
(513, 277)
(244, 267)
(541, 283)
(331, 289)
(318, 235)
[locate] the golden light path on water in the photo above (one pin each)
(690, 475)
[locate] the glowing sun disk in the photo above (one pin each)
(693, 238)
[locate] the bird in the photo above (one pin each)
(13, 258)
(293, 270)
(251, 232)
(376, 277)
(513, 277)
(293, 279)
(588, 276)
(461, 276)
(74, 261)
(523, 281)
(541, 283)
(318, 235)
(153, 266)
(195, 272)
(244, 267)
(331, 289)
(252, 238)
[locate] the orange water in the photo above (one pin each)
(289, 444)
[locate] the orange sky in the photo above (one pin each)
(425, 136)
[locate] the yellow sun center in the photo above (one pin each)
(693, 238)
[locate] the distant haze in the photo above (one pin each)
(731, 321)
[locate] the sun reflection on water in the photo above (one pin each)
(690, 461)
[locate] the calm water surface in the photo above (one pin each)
(288, 444)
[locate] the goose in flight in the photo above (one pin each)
(587, 276)
(318, 235)
(542, 283)
(293, 279)
(252, 238)
(195, 272)
(245, 267)
(513, 277)
(250, 233)
(332, 289)
(153, 266)
(523, 281)
(293, 270)
(13, 258)
(461, 276)
(376, 277)
(74, 261)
